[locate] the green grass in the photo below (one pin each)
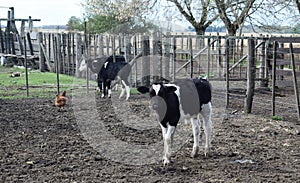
(277, 118)
(41, 84)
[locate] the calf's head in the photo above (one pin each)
(159, 94)
(83, 66)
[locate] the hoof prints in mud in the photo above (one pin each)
(40, 144)
(118, 121)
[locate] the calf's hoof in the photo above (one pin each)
(206, 152)
(195, 152)
(166, 162)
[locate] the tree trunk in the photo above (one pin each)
(200, 30)
(231, 32)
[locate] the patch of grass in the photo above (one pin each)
(41, 84)
(134, 91)
(277, 118)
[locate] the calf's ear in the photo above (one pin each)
(143, 89)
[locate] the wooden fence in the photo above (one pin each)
(169, 56)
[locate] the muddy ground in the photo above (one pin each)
(40, 144)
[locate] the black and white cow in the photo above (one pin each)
(111, 71)
(188, 99)
(108, 70)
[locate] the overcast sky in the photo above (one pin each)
(51, 12)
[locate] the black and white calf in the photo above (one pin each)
(188, 99)
(111, 71)
(107, 70)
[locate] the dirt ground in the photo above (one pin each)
(40, 144)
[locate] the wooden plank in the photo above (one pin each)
(295, 80)
(189, 61)
(29, 43)
(41, 55)
(285, 39)
(282, 72)
(46, 56)
(286, 62)
(287, 50)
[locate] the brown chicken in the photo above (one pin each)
(61, 100)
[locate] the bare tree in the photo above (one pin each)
(117, 14)
(298, 5)
(275, 15)
(200, 14)
(234, 13)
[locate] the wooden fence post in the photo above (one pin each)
(295, 79)
(29, 43)
(251, 69)
(219, 60)
(59, 54)
(174, 58)
(100, 46)
(167, 56)
(208, 58)
(41, 53)
(26, 68)
(63, 55)
(56, 61)
(156, 58)
(145, 61)
(135, 52)
(78, 53)
(95, 40)
(21, 47)
(127, 47)
(262, 63)
(2, 48)
(160, 53)
(107, 45)
(191, 57)
(275, 45)
(226, 68)
(69, 53)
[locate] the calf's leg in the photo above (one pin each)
(122, 89)
(109, 88)
(168, 134)
(196, 133)
(125, 88)
(104, 88)
(207, 125)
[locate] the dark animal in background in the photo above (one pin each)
(15, 74)
(186, 98)
(111, 71)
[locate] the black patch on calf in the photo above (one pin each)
(193, 94)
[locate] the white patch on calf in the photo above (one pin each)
(207, 125)
(156, 88)
(168, 135)
(83, 66)
(105, 65)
